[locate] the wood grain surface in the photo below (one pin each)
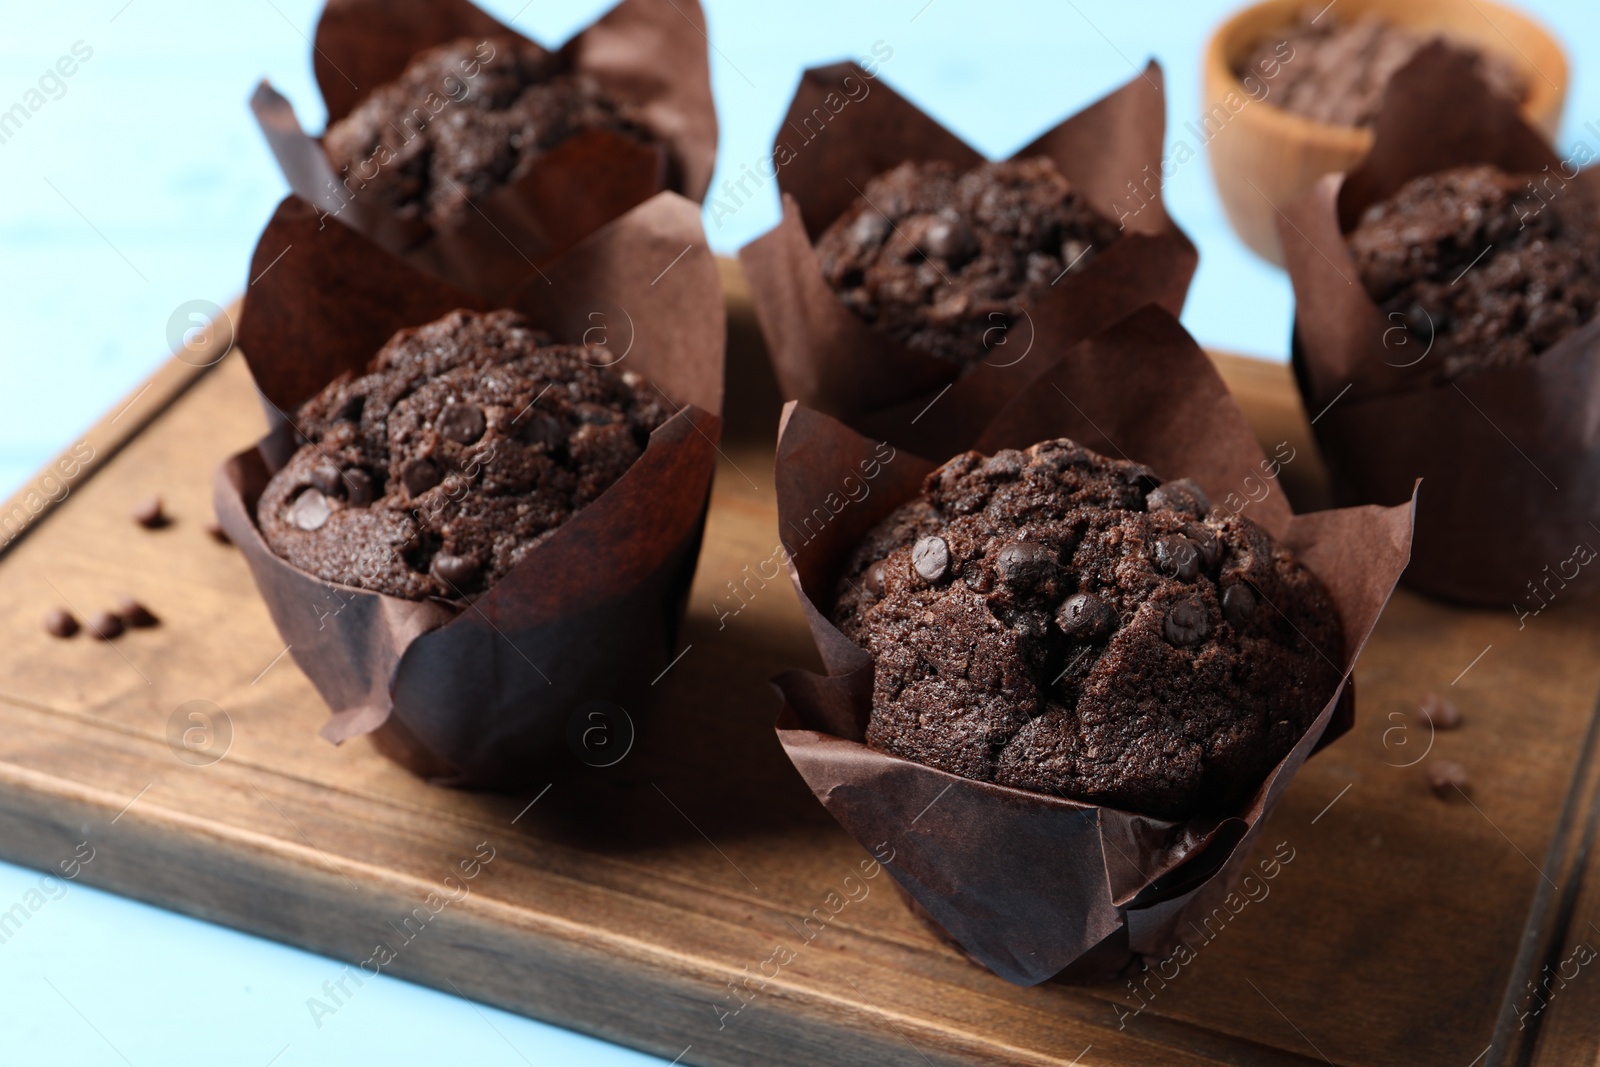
(639, 903)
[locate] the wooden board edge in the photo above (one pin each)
(1553, 913)
(110, 434)
(612, 987)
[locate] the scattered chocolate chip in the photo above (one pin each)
(149, 514)
(1177, 557)
(1183, 495)
(1238, 605)
(1206, 540)
(358, 488)
(1026, 562)
(310, 510)
(326, 478)
(1085, 617)
(455, 571)
(105, 625)
(59, 623)
(930, 558)
(135, 614)
(420, 475)
(1446, 778)
(1438, 712)
(1187, 623)
(950, 239)
(462, 423)
(218, 534)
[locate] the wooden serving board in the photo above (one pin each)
(1403, 930)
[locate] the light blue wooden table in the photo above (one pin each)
(141, 184)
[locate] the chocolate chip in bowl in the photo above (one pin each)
(1334, 70)
(1291, 90)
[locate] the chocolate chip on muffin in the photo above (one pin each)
(1061, 622)
(469, 440)
(463, 119)
(1336, 72)
(1483, 269)
(946, 262)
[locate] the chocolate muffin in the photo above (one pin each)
(1336, 72)
(464, 119)
(1061, 622)
(468, 442)
(1484, 269)
(946, 262)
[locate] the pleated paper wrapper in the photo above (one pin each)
(482, 694)
(651, 54)
(1029, 885)
(1509, 458)
(845, 127)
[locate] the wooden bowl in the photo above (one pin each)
(1263, 156)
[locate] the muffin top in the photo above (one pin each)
(945, 261)
(1061, 622)
(1482, 268)
(438, 140)
(1336, 72)
(468, 442)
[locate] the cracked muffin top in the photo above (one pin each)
(463, 119)
(945, 262)
(1061, 622)
(1480, 268)
(469, 441)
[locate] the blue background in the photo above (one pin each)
(144, 186)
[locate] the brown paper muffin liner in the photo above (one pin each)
(651, 53)
(830, 360)
(1509, 458)
(1030, 885)
(482, 694)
